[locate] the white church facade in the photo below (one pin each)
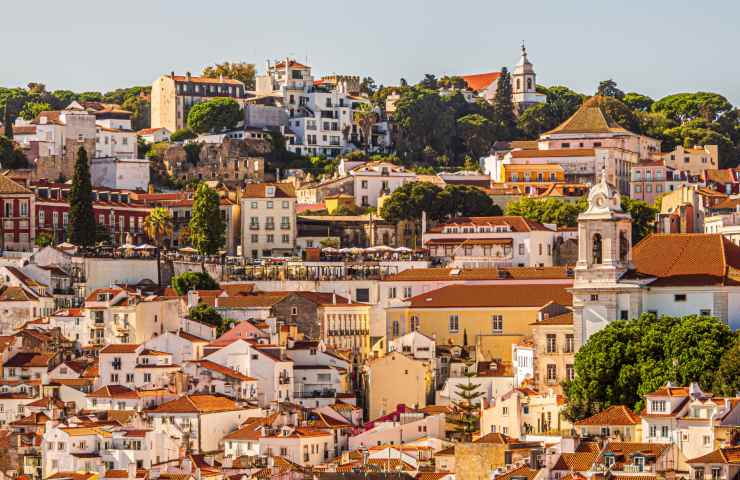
(664, 274)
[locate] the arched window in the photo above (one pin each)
(597, 250)
(518, 84)
(529, 84)
(624, 246)
(396, 328)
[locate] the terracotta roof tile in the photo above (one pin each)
(464, 274)
(688, 259)
(481, 81)
(28, 359)
(468, 296)
(614, 415)
(591, 117)
(729, 455)
(578, 462)
(197, 404)
(259, 190)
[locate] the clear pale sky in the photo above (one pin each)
(655, 47)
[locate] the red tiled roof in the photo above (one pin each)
(258, 190)
(577, 462)
(467, 296)
(213, 366)
(121, 348)
(28, 359)
(481, 81)
(614, 415)
(556, 152)
(197, 404)
(729, 455)
(688, 259)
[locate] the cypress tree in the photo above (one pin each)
(7, 123)
(207, 228)
(503, 108)
(466, 418)
(81, 228)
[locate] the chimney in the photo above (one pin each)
(172, 74)
(221, 77)
(188, 75)
(334, 298)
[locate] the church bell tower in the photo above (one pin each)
(604, 255)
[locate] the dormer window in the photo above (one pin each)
(658, 406)
(270, 191)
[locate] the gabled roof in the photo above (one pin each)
(8, 186)
(577, 462)
(197, 404)
(591, 117)
(614, 415)
(114, 391)
(730, 455)
(481, 81)
(226, 371)
(259, 190)
(16, 294)
(121, 348)
(518, 472)
(501, 273)
(688, 259)
(484, 296)
(28, 359)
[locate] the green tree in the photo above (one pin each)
(429, 81)
(538, 119)
(423, 121)
(43, 240)
(477, 133)
(466, 201)
(207, 227)
(7, 122)
(207, 314)
(608, 88)
(81, 228)
(90, 97)
(466, 416)
(365, 117)
(11, 155)
(158, 225)
(182, 134)
(241, 71)
(550, 210)
(187, 281)
(637, 101)
(32, 109)
(620, 113)
(629, 358)
(409, 200)
(214, 115)
(452, 82)
(504, 118)
(564, 101)
(687, 106)
(643, 217)
(727, 380)
(368, 86)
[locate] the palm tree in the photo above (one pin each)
(365, 117)
(158, 225)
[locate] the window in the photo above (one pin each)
(704, 312)
(406, 292)
(521, 249)
(391, 292)
(294, 311)
(716, 473)
(286, 238)
(505, 411)
(147, 377)
(664, 431)
(396, 328)
(658, 406)
(594, 297)
(624, 315)
(699, 474)
(129, 378)
(113, 378)
(551, 343)
(552, 373)
(706, 440)
(596, 249)
(497, 323)
(653, 431)
(681, 297)
(363, 184)
(570, 372)
(270, 238)
(454, 323)
(269, 204)
(569, 343)
(254, 205)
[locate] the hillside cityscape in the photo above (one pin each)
(257, 271)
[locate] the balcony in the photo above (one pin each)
(269, 226)
(63, 291)
(316, 393)
(254, 226)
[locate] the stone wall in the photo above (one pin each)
(476, 461)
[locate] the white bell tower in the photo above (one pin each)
(523, 78)
(604, 255)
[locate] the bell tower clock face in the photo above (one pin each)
(600, 201)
